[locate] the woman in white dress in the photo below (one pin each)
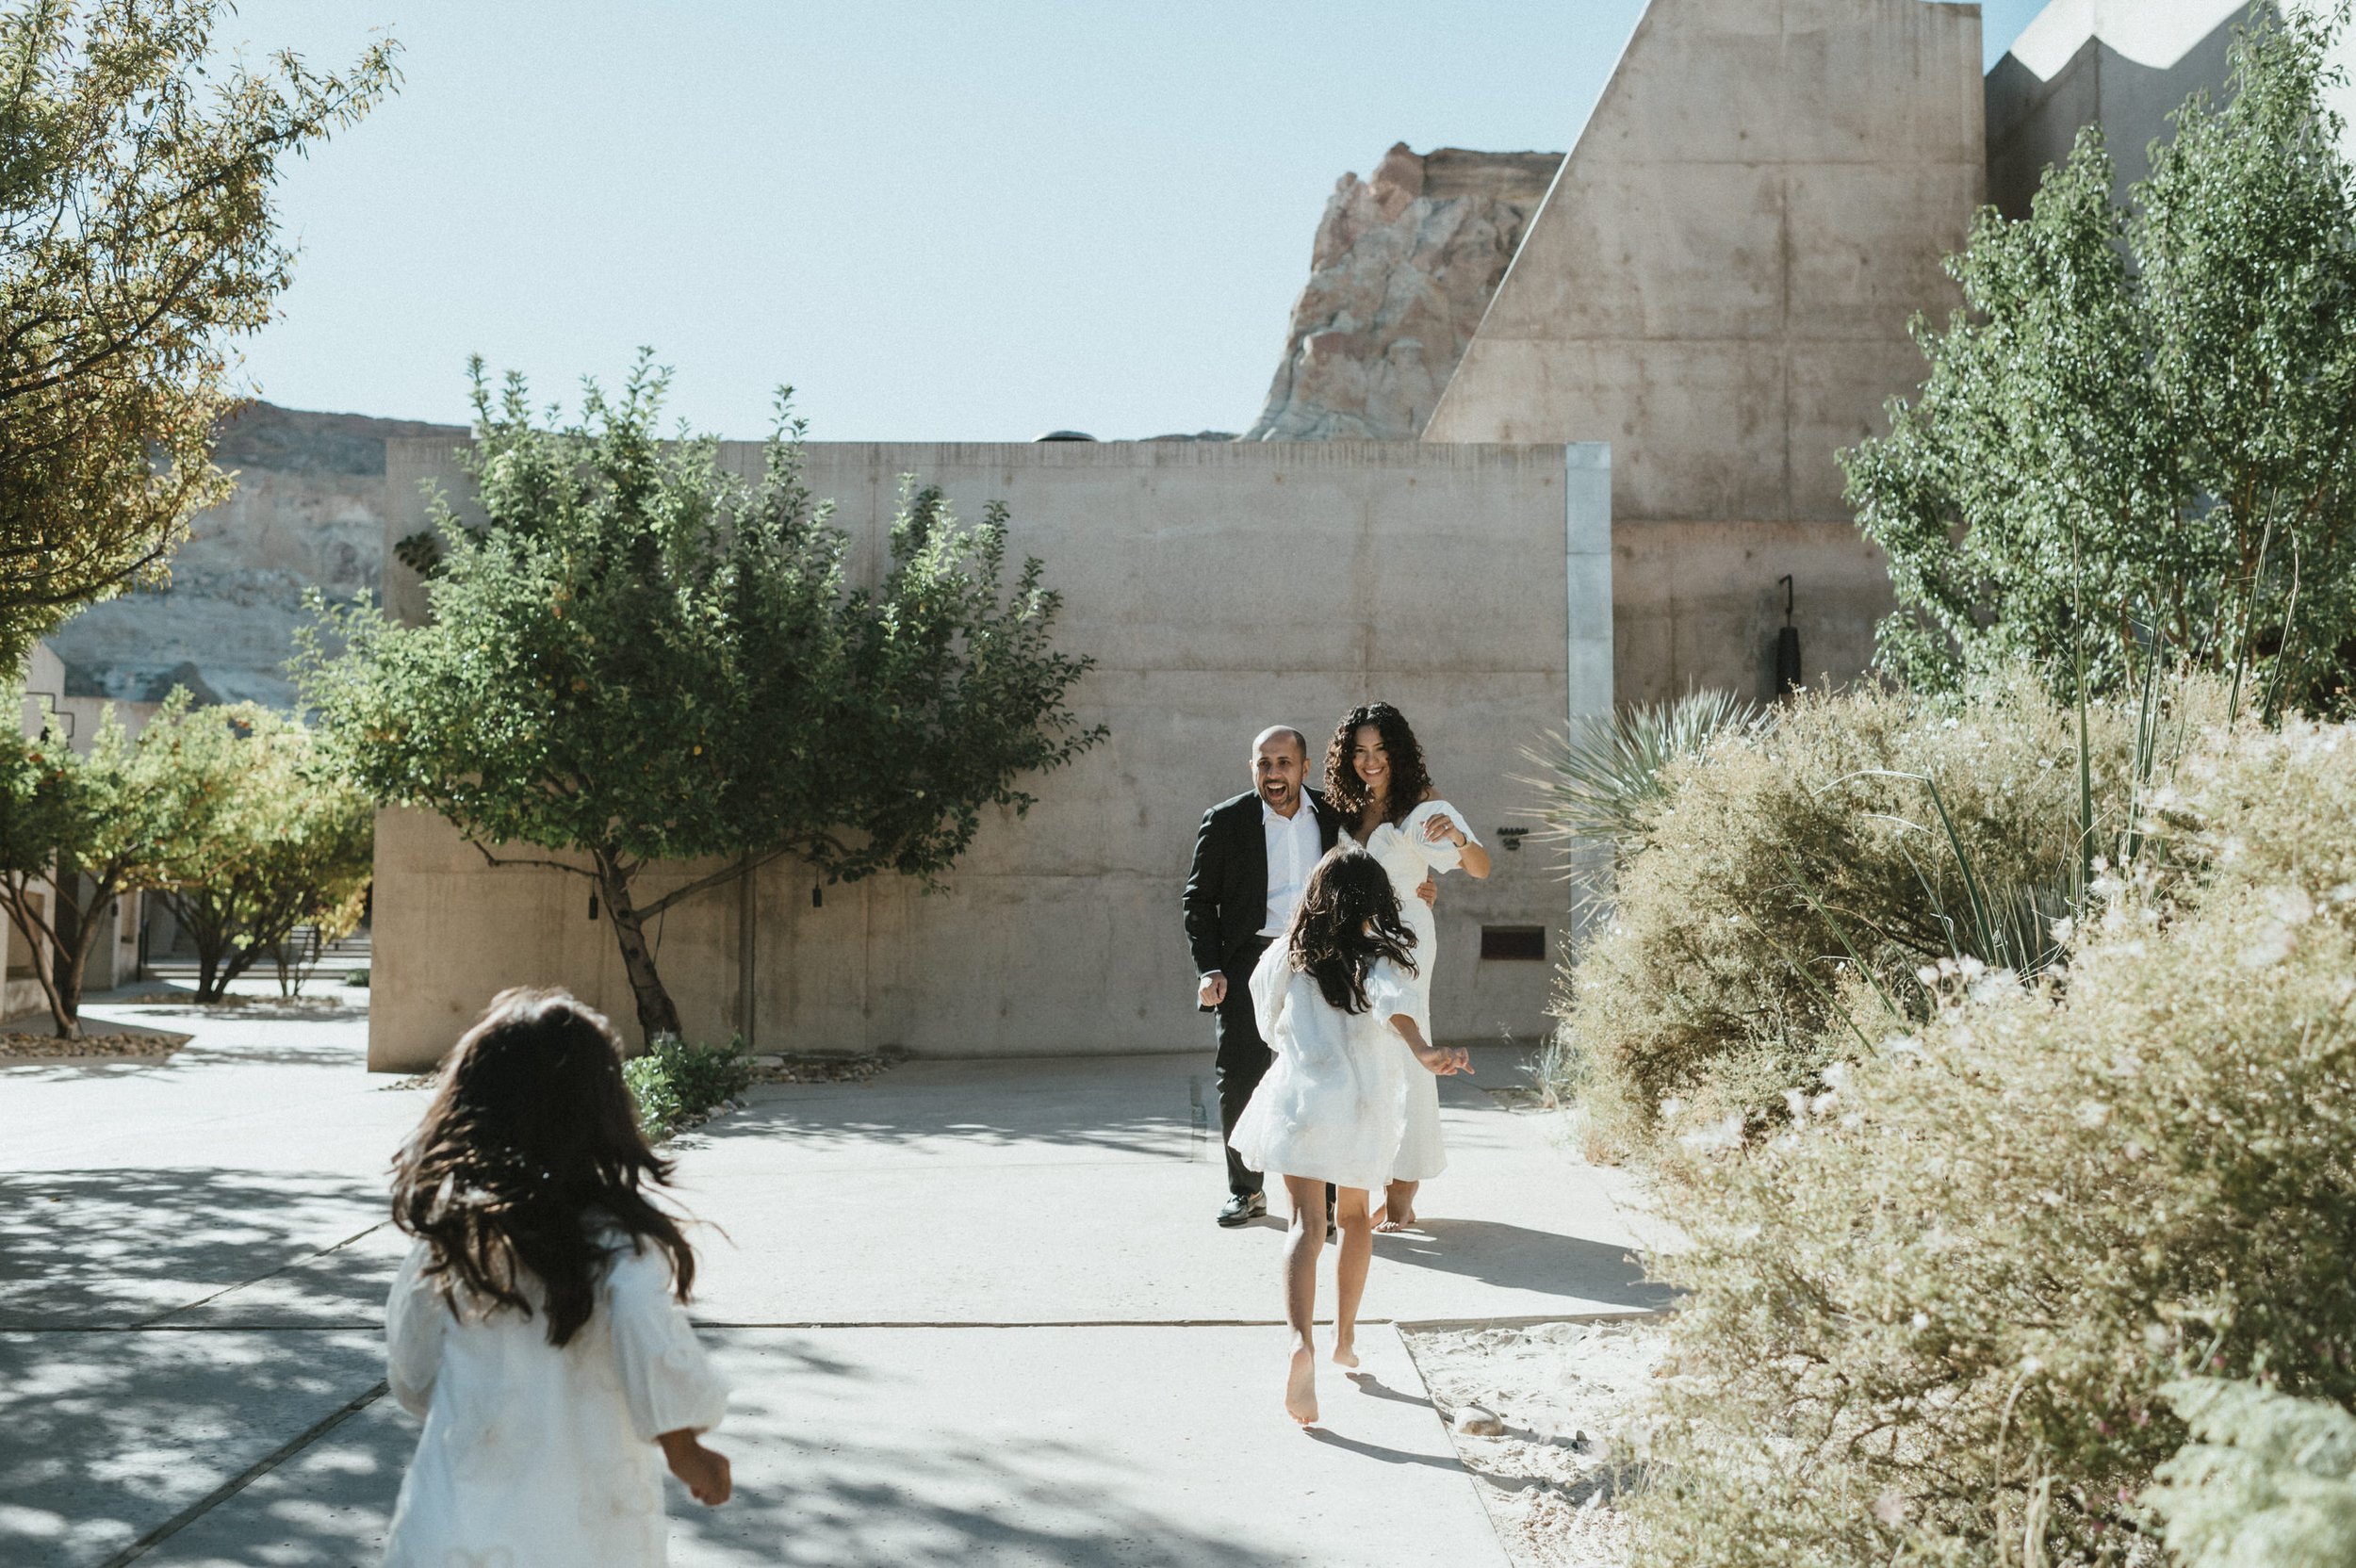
(1375, 776)
(1333, 1000)
(537, 1324)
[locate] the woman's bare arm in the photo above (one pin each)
(1475, 857)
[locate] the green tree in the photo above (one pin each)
(2139, 433)
(643, 658)
(137, 240)
(76, 832)
(259, 836)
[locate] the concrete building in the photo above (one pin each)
(2123, 65)
(1719, 284)
(1716, 291)
(116, 960)
(1220, 587)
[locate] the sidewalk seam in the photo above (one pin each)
(245, 1478)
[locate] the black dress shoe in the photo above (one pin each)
(1242, 1208)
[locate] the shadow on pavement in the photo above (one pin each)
(1519, 1258)
(901, 1494)
(113, 1248)
(855, 1498)
(265, 1009)
(1128, 1105)
(107, 1436)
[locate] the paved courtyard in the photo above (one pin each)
(976, 1313)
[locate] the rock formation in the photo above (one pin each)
(308, 512)
(1403, 267)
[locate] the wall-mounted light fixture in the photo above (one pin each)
(1788, 676)
(1512, 838)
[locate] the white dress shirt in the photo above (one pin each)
(1293, 851)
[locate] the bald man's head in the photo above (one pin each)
(1283, 732)
(1279, 759)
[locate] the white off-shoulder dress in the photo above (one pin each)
(1407, 856)
(534, 1455)
(1334, 1103)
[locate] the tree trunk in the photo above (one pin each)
(203, 922)
(69, 962)
(656, 1013)
(42, 943)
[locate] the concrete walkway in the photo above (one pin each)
(976, 1314)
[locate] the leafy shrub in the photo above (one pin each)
(1862, 829)
(2268, 1478)
(674, 1084)
(1935, 1318)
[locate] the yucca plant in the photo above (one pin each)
(1602, 777)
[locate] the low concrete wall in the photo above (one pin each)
(1219, 588)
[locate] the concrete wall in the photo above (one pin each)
(1220, 587)
(2125, 65)
(1719, 283)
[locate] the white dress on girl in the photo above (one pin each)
(534, 1455)
(1407, 856)
(1333, 1105)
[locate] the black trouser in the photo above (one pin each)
(1243, 1059)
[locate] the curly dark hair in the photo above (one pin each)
(1410, 783)
(1348, 917)
(531, 1143)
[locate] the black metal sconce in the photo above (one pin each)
(1788, 676)
(1512, 838)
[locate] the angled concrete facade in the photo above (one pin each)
(1220, 587)
(1719, 284)
(2125, 66)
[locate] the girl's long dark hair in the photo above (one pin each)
(1410, 783)
(532, 1142)
(1348, 917)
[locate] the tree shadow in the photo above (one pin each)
(910, 1497)
(109, 1435)
(117, 1249)
(1134, 1105)
(1519, 1258)
(264, 1009)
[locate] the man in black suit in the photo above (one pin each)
(1252, 862)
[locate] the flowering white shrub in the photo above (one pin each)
(1935, 1318)
(1780, 859)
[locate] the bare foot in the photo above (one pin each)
(1387, 1225)
(1345, 1354)
(1300, 1387)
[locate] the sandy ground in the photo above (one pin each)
(1567, 1396)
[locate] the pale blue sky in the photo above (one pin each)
(940, 220)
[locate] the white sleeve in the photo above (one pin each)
(1443, 855)
(1389, 992)
(416, 1318)
(668, 1380)
(1271, 979)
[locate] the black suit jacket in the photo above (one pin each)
(1227, 887)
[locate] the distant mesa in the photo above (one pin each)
(1404, 265)
(308, 511)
